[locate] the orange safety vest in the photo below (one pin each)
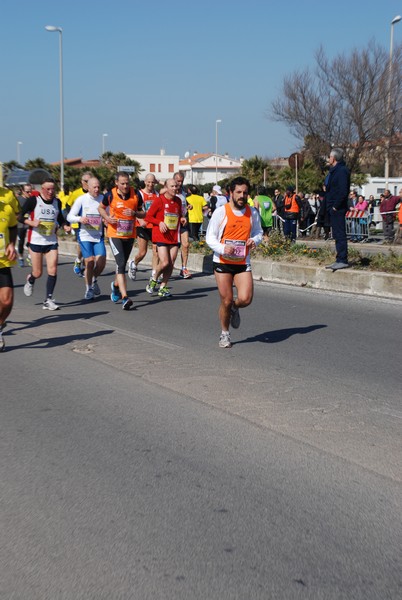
(236, 233)
(125, 228)
(294, 207)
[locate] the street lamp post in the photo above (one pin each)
(389, 126)
(216, 148)
(104, 135)
(19, 144)
(60, 31)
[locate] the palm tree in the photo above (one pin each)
(253, 169)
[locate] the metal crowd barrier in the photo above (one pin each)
(357, 225)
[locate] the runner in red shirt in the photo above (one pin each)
(165, 214)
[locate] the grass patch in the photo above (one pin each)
(282, 250)
(279, 248)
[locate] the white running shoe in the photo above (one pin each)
(89, 294)
(28, 287)
(50, 304)
(224, 341)
(132, 270)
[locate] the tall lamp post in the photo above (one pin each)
(216, 148)
(19, 144)
(60, 31)
(104, 135)
(389, 126)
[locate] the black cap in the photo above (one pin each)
(290, 188)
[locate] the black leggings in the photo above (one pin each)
(121, 249)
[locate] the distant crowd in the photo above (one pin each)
(167, 221)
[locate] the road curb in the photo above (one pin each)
(370, 283)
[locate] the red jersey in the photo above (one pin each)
(170, 212)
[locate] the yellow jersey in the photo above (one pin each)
(8, 219)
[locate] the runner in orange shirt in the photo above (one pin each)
(124, 207)
(234, 230)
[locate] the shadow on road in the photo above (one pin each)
(53, 317)
(59, 341)
(280, 335)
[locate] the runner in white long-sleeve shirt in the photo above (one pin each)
(234, 230)
(90, 235)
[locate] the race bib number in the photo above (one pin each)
(2, 245)
(171, 220)
(125, 227)
(267, 205)
(239, 250)
(94, 221)
(46, 227)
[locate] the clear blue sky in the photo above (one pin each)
(158, 74)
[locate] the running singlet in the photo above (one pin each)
(147, 200)
(47, 214)
(7, 220)
(236, 232)
(125, 228)
(183, 200)
(87, 206)
(168, 210)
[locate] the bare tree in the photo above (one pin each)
(343, 102)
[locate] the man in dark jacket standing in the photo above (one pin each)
(388, 213)
(337, 186)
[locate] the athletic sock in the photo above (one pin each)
(50, 285)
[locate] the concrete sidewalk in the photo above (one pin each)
(364, 248)
(353, 281)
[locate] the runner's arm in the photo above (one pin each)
(61, 221)
(74, 214)
(10, 249)
(213, 234)
(27, 208)
(256, 229)
(151, 217)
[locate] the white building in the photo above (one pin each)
(161, 165)
(376, 186)
(200, 169)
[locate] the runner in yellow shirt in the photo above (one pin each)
(8, 236)
(196, 212)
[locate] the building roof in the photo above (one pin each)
(201, 160)
(78, 163)
(195, 158)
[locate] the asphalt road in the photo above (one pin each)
(139, 460)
